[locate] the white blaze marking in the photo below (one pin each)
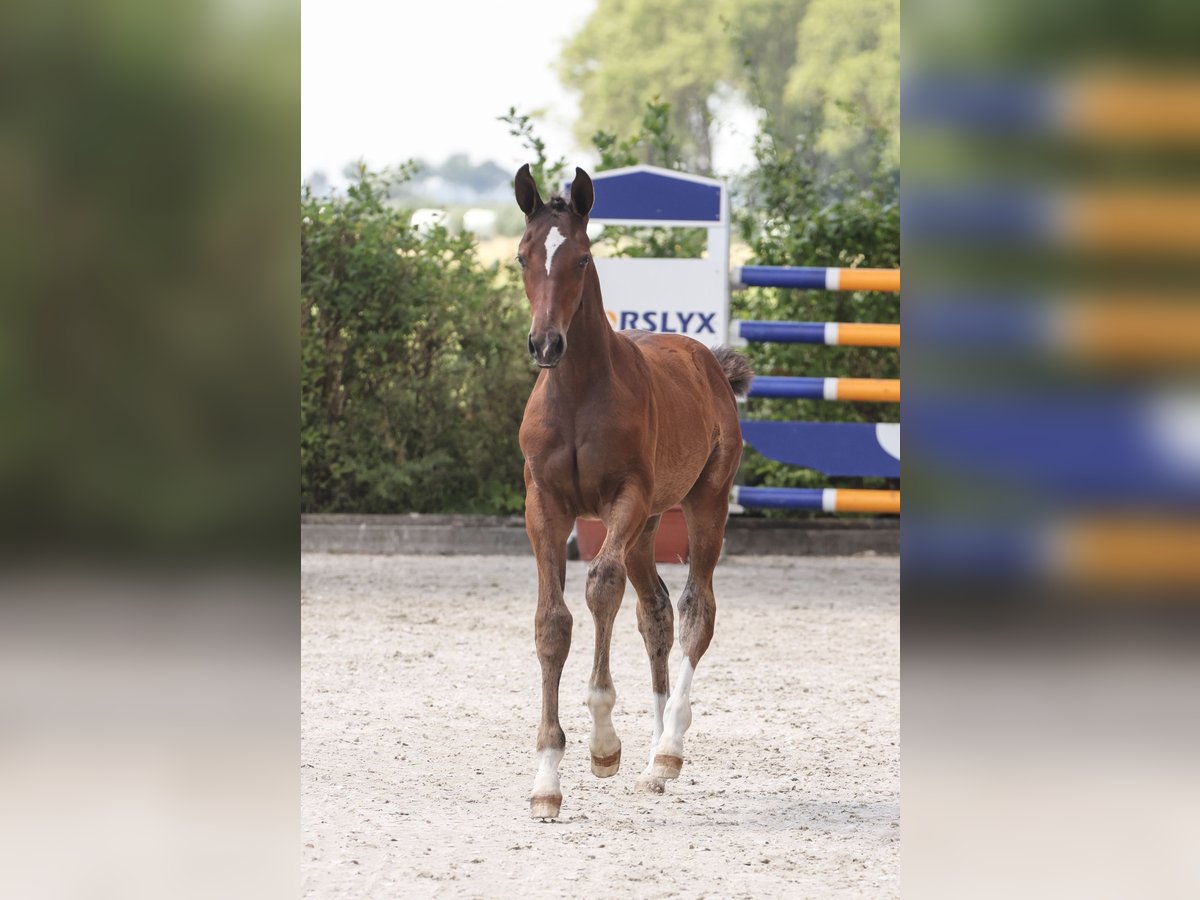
(546, 779)
(554, 240)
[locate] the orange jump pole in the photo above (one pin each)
(817, 499)
(817, 278)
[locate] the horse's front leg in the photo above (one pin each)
(549, 525)
(624, 520)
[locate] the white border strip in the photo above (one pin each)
(657, 170)
(657, 223)
(830, 388)
(833, 278)
(831, 334)
(829, 499)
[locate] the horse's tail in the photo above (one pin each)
(736, 369)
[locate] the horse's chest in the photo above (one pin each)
(553, 463)
(579, 463)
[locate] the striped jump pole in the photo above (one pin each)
(867, 390)
(831, 334)
(817, 499)
(817, 278)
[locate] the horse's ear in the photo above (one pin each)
(583, 195)
(528, 197)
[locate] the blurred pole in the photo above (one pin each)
(1051, 224)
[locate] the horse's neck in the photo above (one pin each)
(588, 361)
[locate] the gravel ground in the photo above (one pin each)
(420, 694)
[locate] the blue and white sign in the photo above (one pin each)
(669, 296)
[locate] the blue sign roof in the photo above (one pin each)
(650, 194)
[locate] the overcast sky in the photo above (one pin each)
(389, 80)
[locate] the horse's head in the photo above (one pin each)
(554, 254)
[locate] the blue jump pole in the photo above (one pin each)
(818, 278)
(871, 390)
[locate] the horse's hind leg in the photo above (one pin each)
(656, 622)
(705, 509)
(605, 587)
(548, 527)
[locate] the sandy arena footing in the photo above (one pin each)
(420, 698)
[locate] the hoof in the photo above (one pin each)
(606, 766)
(648, 784)
(666, 766)
(545, 806)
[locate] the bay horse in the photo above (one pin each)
(620, 426)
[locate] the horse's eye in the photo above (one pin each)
(583, 262)
(521, 261)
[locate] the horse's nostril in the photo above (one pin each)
(547, 347)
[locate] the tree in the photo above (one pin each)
(632, 51)
(764, 36)
(847, 74)
(823, 68)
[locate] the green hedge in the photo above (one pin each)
(414, 370)
(798, 212)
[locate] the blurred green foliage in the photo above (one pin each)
(824, 68)
(414, 371)
(147, 280)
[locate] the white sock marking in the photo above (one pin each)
(554, 240)
(604, 736)
(660, 704)
(545, 782)
(678, 713)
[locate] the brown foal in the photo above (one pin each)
(620, 427)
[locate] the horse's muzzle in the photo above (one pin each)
(547, 348)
